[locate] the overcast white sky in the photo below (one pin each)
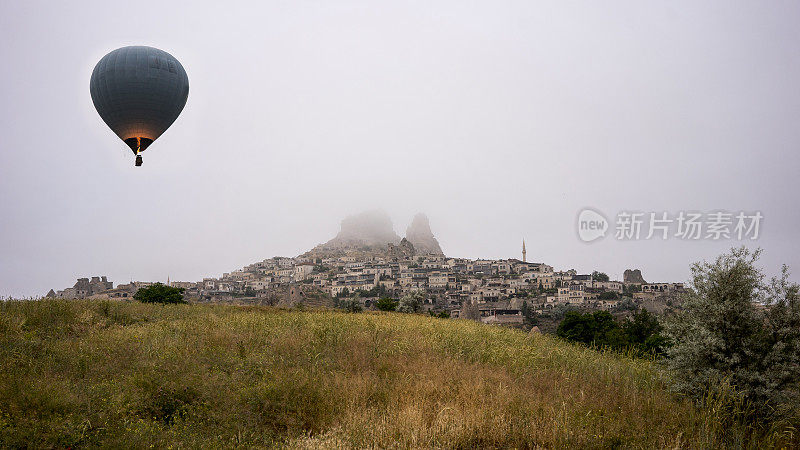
(500, 120)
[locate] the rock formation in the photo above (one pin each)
(420, 235)
(403, 250)
(371, 234)
(633, 276)
(367, 232)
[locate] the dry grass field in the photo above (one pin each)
(114, 374)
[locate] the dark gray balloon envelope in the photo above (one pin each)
(139, 92)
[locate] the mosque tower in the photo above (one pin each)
(524, 253)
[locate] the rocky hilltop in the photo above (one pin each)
(633, 276)
(404, 250)
(420, 235)
(371, 233)
(367, 232)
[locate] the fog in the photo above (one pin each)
(499, 120)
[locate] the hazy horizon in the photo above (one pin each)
(499, 121)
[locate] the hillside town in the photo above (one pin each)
(366, 261)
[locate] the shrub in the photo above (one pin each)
(529, 316)
(625, 305)
(589, 328)
(167, 405)
(386, 304)
(640, 335)
(608, 295)
(351, 305)
(599, 276)
(629, 289)
(722, 336)
(644, 331)
(159, 293)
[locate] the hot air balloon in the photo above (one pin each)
(139, 92)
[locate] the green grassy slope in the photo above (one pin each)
(84, 373)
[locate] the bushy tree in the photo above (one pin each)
(643, 330)
(159, 293)
(589, 328)
(374, 292)
(779, 345)
(599, 276)
(529, 316)
(626, 304)
(410, 303)
(351, 305)
(723, 336)
(629, 289)
(386, 304)
(440, 314)
(640, 334)
(470, 311)
(641, 326)
(558, 312)
(608, 295)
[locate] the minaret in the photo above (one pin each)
(524, 252)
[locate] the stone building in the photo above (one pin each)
(86, 288)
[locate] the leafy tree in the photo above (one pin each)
(386, 304)
(344, 293)
(608, 295)
(644, 331)
(641, 333)
(588, 328)
(159, 293)
(656, 344)
(599, 276)
(470, 311)
(629, 289)
(721, 336)
(641, 326)
(410, 303)
(559, 311)
(614, 337)
(626, 304)
(779, 346)
(529, 316)
(374, 292)
(351, 305)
